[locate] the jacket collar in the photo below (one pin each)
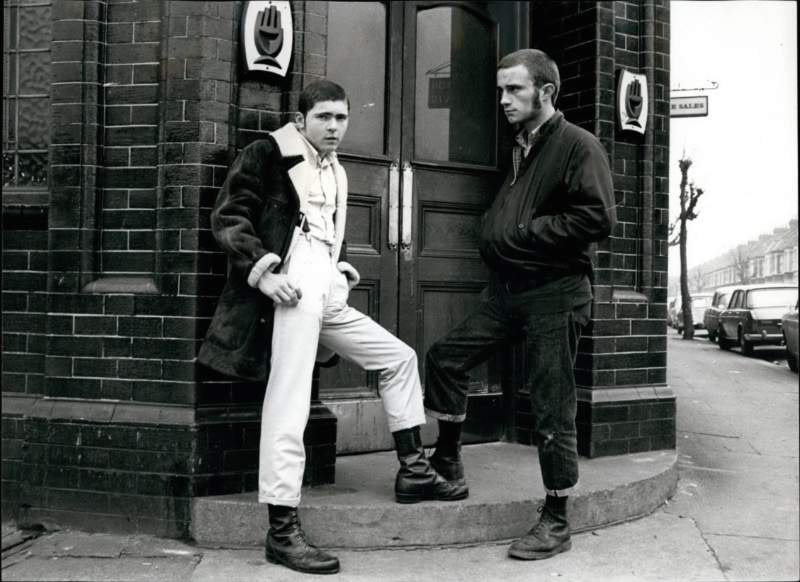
(544, 131)
(294, 152)
(548, 127)
(292, 144)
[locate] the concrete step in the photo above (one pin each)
(359, 511)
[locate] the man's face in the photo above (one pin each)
(324, 125)
(520, 98)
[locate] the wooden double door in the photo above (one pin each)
(422, 162)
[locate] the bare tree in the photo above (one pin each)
(741, 264)
(689, 197)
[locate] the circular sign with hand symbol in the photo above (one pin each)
(632, 101)
(267, 36)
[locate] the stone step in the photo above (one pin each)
(359, 511)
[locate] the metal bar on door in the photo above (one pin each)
(408, 199)
(394, 204)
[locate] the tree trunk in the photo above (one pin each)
(686, 298)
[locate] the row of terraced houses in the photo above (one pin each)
(771, 258)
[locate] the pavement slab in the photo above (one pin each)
(640, 550)
(93, 569)
(752, 558)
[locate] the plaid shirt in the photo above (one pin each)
(525, 141)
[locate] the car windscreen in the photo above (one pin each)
(723, 300)
(772, 298)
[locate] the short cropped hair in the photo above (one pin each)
(541, 67)
(318, 91)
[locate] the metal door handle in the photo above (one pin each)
(408, 197)
(394, 204)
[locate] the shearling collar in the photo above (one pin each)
(292, 144)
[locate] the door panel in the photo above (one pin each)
(422, 170)
(368, 252)
(449, 136)
(368, 151)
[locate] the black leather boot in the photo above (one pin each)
(287, 544)
(446, 460)
(547, 538)
(416, 479)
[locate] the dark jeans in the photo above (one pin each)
(551, 341)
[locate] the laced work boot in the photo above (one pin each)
(416, 479)
(446, 460)
(287, 544)
(547, 538)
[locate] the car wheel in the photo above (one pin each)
(679, 329)
(712, 336)
(791, 358)
(747, 346)
(722, 340)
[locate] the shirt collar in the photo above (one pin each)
(526, 139)
(311, 155)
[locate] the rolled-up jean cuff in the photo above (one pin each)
(276, 501)
(447, 417)
(561, 492)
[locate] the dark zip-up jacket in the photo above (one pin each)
(543, 220)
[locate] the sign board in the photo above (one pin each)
(688, 106)
(632, 101)
(439, 93)
(267, 36)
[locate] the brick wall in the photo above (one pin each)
(141, 108)
(24, 285)
(108, 422)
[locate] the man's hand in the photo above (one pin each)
(277, 287)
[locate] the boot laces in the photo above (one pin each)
(301, 534)
(546, 517)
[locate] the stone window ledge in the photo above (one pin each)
(122, 285)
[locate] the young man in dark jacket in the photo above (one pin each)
(280, 218)
(557, 199)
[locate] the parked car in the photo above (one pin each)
(753, 317)
(789, 329)
(719, 302)
(672, 315)
(700, 303)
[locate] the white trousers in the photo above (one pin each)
(323, 316)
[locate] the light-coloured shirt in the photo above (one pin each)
(321, 196)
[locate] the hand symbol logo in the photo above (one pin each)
(269, 35)
(634, 102)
